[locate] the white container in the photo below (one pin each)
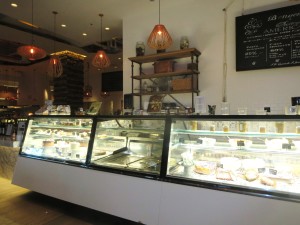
(208, 142)
(275, 144)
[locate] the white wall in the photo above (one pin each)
(203, 22)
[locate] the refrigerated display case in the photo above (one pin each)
(129, 144)
(248, 154)
(58, 138)
(249, 163)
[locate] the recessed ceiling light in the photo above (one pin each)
(63, 25)
(107, 28)
(119, 58)
(14, 5)
(84, 34)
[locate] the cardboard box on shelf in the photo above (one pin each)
(182, 84)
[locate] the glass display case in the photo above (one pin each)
(130, 144)
(237, 152)
(58, 138)
(256, 155)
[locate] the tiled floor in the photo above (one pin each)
(19, 206)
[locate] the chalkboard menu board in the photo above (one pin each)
(268, 39)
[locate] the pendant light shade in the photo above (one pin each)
(31, 52)
(55, 68)
(101, 60)
(159, 39)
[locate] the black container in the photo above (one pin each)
(295, 101)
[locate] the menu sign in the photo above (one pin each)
(268, 39)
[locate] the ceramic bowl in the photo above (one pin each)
(207, 142)
(297, 144)
(275, 144)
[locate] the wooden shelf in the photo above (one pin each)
(169, 74)
(166, 92)
(191, 53)
(166, 55)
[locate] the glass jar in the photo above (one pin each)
(140, 48)
(184, 42)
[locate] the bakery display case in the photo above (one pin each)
(58, 138)
(253, 155)
(129, 144)
(250, 154)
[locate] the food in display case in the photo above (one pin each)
(129, 144)
(58, 138)
(247, 159)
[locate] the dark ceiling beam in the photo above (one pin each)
(16, 24)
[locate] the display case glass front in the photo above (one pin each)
(129, 144)
(240, 153)
(58, 138)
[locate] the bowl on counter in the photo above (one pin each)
(207, 142)
(275, 144)
(230, 163)
(297, 144)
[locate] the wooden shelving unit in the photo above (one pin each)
(193, 73)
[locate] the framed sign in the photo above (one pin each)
(268, 39)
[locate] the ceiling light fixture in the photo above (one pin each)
(63, 25)
(31, 52)
(15, 5)
(159, 38)
(101, 60)
(55, 68)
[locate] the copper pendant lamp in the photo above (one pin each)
(55, 68)
(31, 52)
(159, 38)
(101, 60)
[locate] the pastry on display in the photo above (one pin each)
(84, 143)
(48, 143)
(84, 134)
(204, 167)
(251, 175)
(222, 174)
(99, 153)
(267, 181)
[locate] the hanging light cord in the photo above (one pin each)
(32, 39)
(88, 71)
(101, 15)
(54, 29)
(159, 12)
